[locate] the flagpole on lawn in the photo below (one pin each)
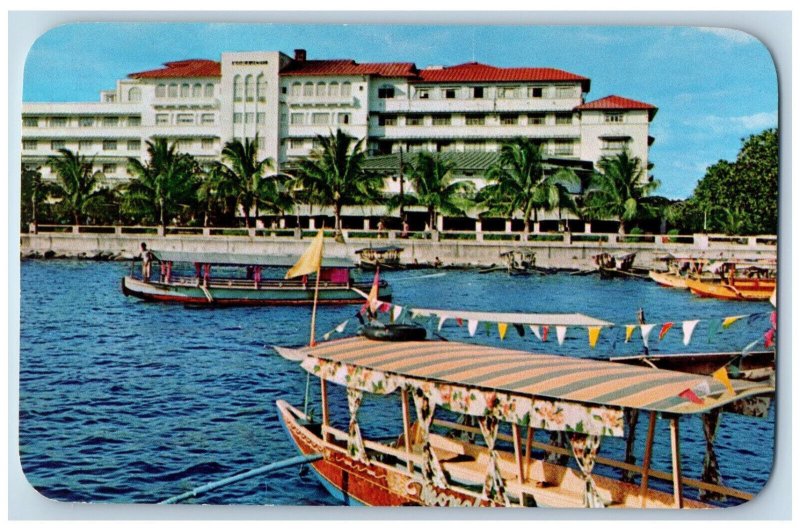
(312, 341)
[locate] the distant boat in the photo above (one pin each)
(737, 290)
(616, 266)
(218, 279)
(519, 261)
(387, 257)
(679, 269)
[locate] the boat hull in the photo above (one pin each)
(269, 293)
(668, 280)
(749, 290)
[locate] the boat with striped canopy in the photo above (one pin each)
(433, 463)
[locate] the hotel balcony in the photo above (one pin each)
(487, 105)
(318, 101)
(474, 131)
(82, 132)
(311, 131)
(189, 103)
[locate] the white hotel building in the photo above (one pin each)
(288, 101)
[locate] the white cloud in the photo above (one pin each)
(730, 35)
(737, 124)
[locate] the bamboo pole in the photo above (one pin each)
(528, 448)
(677, 486)
(324, 394)
(648, 451)
(518, 452)
(407, 429)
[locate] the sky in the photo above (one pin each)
(713, 86)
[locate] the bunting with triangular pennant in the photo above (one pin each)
(730, 320)
(629, 332)
(689, 395)
(688, 329)
(721, 375)
(594, 334)
(646, 329)
(472, 325)
(664, 329)
(713, 327)
(520, 329)
(545, 330)
(501, 329)
(561, 333)
(536, 332)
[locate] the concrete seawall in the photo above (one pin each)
(560, 254)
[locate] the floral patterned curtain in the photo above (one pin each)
(711, 472)
(584, 449)
(355, 444)
(494, 486)
(431, 468)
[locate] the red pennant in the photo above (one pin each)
(689, 395)
(664, 330)
(773, 318)
(545, 329)
(769, 338)
(384, 307)
(459, 321)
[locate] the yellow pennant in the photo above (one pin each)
(594, 333)
(721, 374)
(502, 327)
(629, 332)
(730, 320)
(311, 260)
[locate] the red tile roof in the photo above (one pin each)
(348, 67)
(187, 68)
(483, 72)
(617, 103)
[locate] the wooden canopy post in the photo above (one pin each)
(528, 443)
(648, 452)
(324, 395)
(677, 485)
(518, 452)
(407, 430)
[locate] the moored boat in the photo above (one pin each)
(217, 279)
(519, 261)
(387, 257)
(509, 395)
(754, 289)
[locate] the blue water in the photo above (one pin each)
(130, 402)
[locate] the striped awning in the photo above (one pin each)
(529, 375)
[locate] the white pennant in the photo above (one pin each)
(702, 389)
(751, 346)
(688, 329)
(327, 336)
(536, 332)
(342, 326)
(472, 325)
(561, 333)
(396, 311)
(441, 322)
(646, 328)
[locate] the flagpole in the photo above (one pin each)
(312, 341)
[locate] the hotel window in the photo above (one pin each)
(109, 145)
(615, 144)
(474, 146)
(109, 168)
(59, 121)
(162, 119)
(261, 89)
(57, 144)
(320, 89)
(86, 121)
(477, 92)
(135, 94)
(110, 121)
(284, 90)
(237, 117)
(296, 89)
(450, 93)
(207, 143)
(184, 143)
(184, 118)
(415, 147)
(134, 145)
(308, 89)
(197, 90)
(249, 117)
(441, 119)
(85, 145)
(475, 119)
(185, 90)
(506, 92)
(30, 145)
(333, 89)
(249, 88)
(445, 146)
(315, 143)
(237, 88)
(536, 118)
(535, 92)
(109, 98)
(207, 118)
(173, 90)
(261, 118)
(209, 92)
(613, 117)
(30, 122)
(343, 118)
(134, 121)
(414, 120)
(565, 92)
(563, 147)
(509, 119)
(284, 118)
(161, 91)
(387, 120)
(386, 92)
(346, 89)
(298, 118)
(423, 93)
(563, 118)
(297, 143)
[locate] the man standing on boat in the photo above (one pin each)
(147, 260)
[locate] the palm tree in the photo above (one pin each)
(618, 190)
(245, 175)
(163, 187)
(33, 192)
(519, 183)
(434, 187)
(76, 184)
(216, 195)
(333, 175)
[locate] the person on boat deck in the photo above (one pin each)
(147, 261)
(437, 262)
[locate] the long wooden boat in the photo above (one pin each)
(508, 395)
(681, 269)
(737, 290)
(216, 279)
(387, 257)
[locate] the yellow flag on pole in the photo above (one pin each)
(311, 259)
(629, 332)
(501, 328)
(594, 333)
(721, 374)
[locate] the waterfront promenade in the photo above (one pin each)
(456, 248)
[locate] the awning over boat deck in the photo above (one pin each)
(529, 375)
(242, 259)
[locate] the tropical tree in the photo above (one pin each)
(216, 196)
(333, 175)
(519, 183)
(620, 192)
(33, 192)
(434, 187)
(244, 176)
(164, 187)
(76, 186)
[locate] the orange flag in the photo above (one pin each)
(664, 330)
(721, 374)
